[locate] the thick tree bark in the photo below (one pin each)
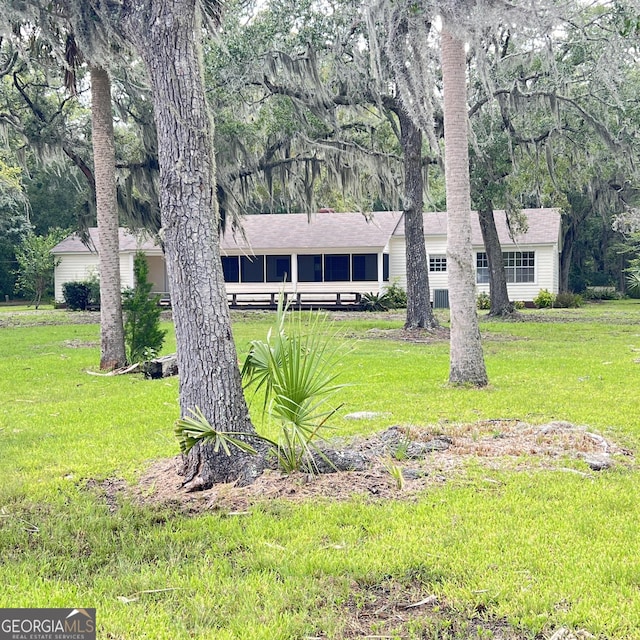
(466, 357)
(419, 310)
(112, 349)
(500, 303)
(166, 35)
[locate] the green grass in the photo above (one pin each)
(542, 549)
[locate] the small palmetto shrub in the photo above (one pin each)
(633, 278)
(296, 368)
(375, 302)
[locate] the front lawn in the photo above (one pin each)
(502, 547)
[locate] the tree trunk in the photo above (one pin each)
(166, 35)
(500, 303)
(112, 350)
(419, 310)
(466, 357)
(568, 241)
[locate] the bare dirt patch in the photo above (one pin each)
(109, 489)
(393, 609)
(388, 609)
(399, 463)
(81, 344)
(426, 336)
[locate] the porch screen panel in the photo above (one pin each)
(231, 268)
(310, 268)
(252, 268)
(336, 267)
(364, 267)
(278, 268)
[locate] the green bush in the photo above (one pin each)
(544, 299)
(80, 295)
(396, 296)
(142, 334)
(601, 293)
(483, 301)
(519, 305)
(567, 301)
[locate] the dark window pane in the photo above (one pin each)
(252, 268)
(385, 267)
(437, 263)
(310, 268)
(365, 266)
(336, 268)
(231, 268)
(278, 268)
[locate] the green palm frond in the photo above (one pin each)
(296, 368)
(633, 281)
(196, 428)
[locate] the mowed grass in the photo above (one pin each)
(540, 549)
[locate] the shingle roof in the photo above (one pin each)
(271, 232)
(544, 227)
(321, 230)
(129, 242)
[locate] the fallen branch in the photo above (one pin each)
(132, 368)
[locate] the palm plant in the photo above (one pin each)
(633, 276)
(296, 369)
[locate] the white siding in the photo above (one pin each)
(126, 271)
(398, 261)
(74, 267)
(82, 266)
(435, 245)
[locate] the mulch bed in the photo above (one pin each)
(425, 457)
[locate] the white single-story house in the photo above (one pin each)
(337, 253)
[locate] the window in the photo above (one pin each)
(231, 268)
(364, 266)
(310, 268)
(252, 268)
(385, 267)
(336, 268)
(278, 268)
(482, 268)
(437, 263)
(519, 266)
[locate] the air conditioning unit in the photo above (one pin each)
(441, 298)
